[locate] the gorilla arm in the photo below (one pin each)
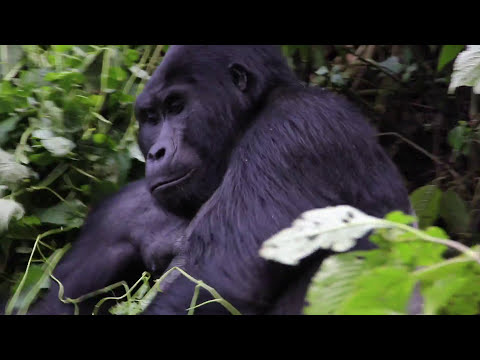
(126, 233)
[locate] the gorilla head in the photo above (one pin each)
(193, 110)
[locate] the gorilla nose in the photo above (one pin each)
(156, 154)
(161, 152)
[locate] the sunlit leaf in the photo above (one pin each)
(11, 172)
(58, 146)
(9, 209)
(331, 228)
(466, 69)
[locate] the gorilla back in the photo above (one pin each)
(300, 149)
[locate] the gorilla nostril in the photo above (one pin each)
(160, 153)
(155, 155)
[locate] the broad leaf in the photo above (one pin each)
(331, 228)
(466, 70)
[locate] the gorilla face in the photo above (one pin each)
(188, 123)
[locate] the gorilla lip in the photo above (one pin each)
(171, 182)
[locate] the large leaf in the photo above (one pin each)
(331, 228)
(466, 70)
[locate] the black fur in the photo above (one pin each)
(304, 148)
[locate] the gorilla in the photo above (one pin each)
(290, 149)
(236, 148)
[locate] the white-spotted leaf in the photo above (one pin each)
(142, 74)
(466, 69)
(11, 172)
(331, 228)
(9, 209)
(58, 146)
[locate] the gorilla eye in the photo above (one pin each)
(174, 104)
(239, 76)
(151, 116)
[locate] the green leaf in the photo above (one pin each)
(348, 285)
(33, 280)
(439, 293)
(25, 228)
(416, 253)
(62, 48)
(400, 218)
(465, 300)
(99, 138)
(42, 159)
(436, 232)
(10, 55)
(70, 212)
(333, 284)
(426, 203)
(38, 278)
(6, 126)
(457, 137)
(454, 211)
(382, 291)
(447, 54)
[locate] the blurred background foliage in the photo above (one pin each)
(68, 135)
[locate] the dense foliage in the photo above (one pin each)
(68, 139)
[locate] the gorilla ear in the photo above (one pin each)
(239, 76)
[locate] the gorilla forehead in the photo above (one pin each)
(194, 63)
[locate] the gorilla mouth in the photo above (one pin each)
(171, 182)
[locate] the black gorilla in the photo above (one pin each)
(295, 149)
(230, 128)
